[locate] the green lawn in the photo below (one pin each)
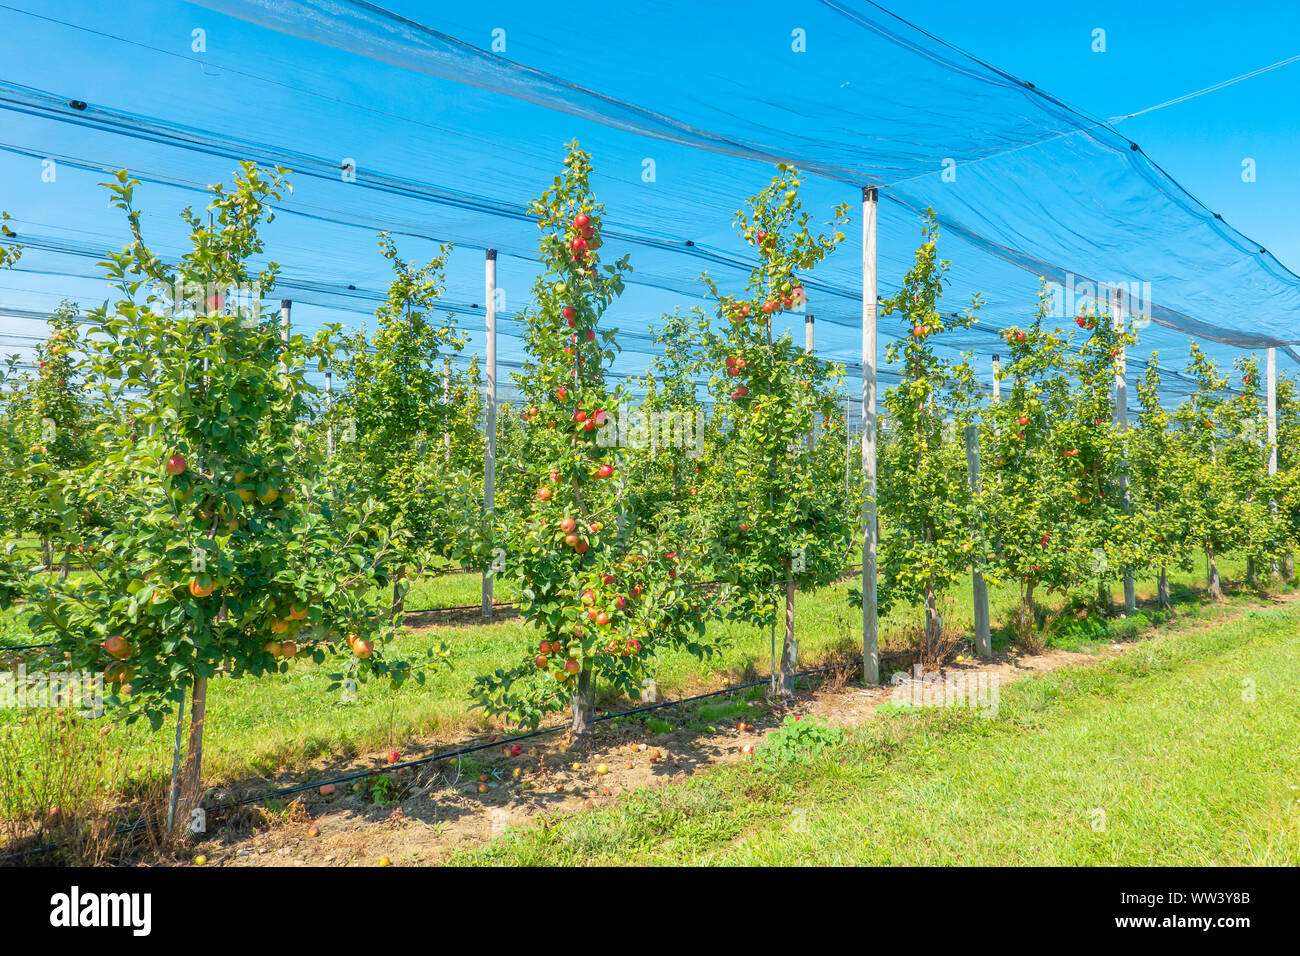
(1180, 752)
(263, 728)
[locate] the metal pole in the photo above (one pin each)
(980, 591)
(490, 405)
(1271, 367)
(1121, 424)
(329, 406)
(811, 439)
(285, 306)
(870, 635)
(446, 402)
(997, 379)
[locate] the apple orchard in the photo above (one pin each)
(183, 507)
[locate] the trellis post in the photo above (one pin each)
(329, 418)
(1271, 371)
(870, 635)
(490, 405)
(1121, 423)
(980, 591)
(285, 306)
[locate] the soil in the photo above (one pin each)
(436, 808)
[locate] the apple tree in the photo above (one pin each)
(776, 525)
(216, 562)
(396, 420)
(599, 603)
(930, 536)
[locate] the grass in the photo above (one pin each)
(1180, 752)
(281, 724)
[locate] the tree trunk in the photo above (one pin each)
(1288, 566)
(1026, 609)
(931, 619)
(399, 599)
(1250, 572)
(47, 554)
(584, 705)
(1162, 587)
(1212, 582)
(188, 789)
(1103, 596)
(790, 649)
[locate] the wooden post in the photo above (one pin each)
(329, 407)
(1121, 423)
(490, 405)
(870, 634)
(983, 638)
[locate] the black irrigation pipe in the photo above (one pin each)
(458, 752)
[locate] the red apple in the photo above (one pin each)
(567, 525)
(604, 471)
(394, 757)
(569, 312)
(176, 465)
(118, 646)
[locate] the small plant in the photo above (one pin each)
(797, 740)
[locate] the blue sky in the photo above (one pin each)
(1153, 53)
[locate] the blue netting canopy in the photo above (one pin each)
(439, 123)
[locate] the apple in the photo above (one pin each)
(176, 465)
(604, 471)
(761, 235)
(567, 524)
(272, 648)
(578, 244)
(363, 649)
(589, 425)
(588, 596)
(569, 312)
(1023, 420)
(313, 831)
(740, 392)
(572, 666)
(561, 393)
(1020, 435)
(744, 526)
(541, 661)
(200, 590)
(289, 649)
(117, 673)
(581, 221)
(1020, 336)
(918, 331)
(602, 769)
(279, 627)
(636, 590)
(200, 860)
(581, 546)
(571, 540)
(602, 618)
(393, 757)
(580, 416)
(543, 494)
(118, 646)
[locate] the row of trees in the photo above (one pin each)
(174, 442)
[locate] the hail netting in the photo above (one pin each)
(441, 125)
